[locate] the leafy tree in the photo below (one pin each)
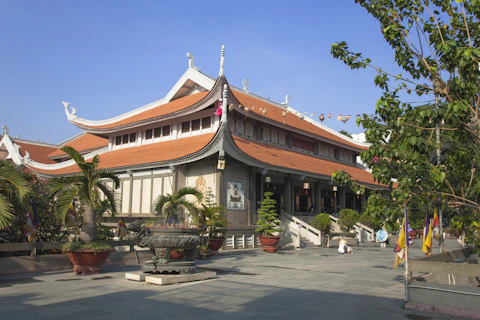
(347, 219)
(346, 133)
(169, 205)
(322, 222)
(436, 43)
(267, 216)
(84, 187)
(209, 218)
(11, 182)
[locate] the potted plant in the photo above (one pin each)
(323, 223)
(211, 223)
(172, 230)
(268, 223)
(347, 219)
(86, 254)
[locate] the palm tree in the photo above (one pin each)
(11, 180)
(85, 188)
(169, 205)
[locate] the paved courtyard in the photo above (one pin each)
(313, 283)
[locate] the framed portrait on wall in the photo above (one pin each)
(235, 195)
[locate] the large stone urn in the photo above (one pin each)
(161, 241)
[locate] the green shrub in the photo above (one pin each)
(268, 216)
(322, 222)
(95, 245)
(369, 221)
(347, 219)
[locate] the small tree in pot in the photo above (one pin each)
(347, 219)
(323, 223)
(86, 255)
(268, 223)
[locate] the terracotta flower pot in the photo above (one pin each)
(215, 244)
(176, 255)
(269, 243)
(87, 261)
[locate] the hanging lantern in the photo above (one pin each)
(335, 189)
(358, 193)
(268, 180)
(301, 116)
(264, 111)
(306, 186)
(284, 114)
(321, 118)
(230, 107)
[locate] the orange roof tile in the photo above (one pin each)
(86, 142)
(172, 106)
(149, 153)
(288, 159)
(275, 113)
(37, 152)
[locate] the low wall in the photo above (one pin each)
(450, 284)
(125, 254)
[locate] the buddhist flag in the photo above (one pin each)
(71, 215)
(339, 117)
(33, 222)
(427, 235)
(122, 229)
(436, 229)
(330, 115)
(402, 241)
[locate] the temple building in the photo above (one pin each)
(206, 134)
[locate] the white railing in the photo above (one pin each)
(361, 230)
(300, 228)
(241, 241)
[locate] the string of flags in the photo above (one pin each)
(301, 116)
(122, 229)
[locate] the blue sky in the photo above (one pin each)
(109, 57)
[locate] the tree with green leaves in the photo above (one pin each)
(431, 147)
(11, 182)
(267, 216)
(344, 132)
(347, 219)
(85, 187)
(209, 217)
(168, 206)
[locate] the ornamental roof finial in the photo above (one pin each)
(191, 60)
(222, 58)
(245, 84)
(5, 130)
(69, 115)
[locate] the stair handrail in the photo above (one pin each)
(358, 227)
(307, 231)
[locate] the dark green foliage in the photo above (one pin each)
(50, 229)
(169, 206)
(437, 44)
(370, 222)
(322, 222)
(345, 133)
(12, 184)
(95, 245)
(347, 219)
(267, 216)
(209, 218)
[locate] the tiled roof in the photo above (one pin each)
(149, 153)
(85, 142)
(37, 152)
(172, 106)
(275, 113)
(288, 159)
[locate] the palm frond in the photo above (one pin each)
(160, 203)
(6, 214)
(15, 178)
(109, 194)
(192, 209)
(96, 160)
(103, 174)
(74, 154)
(189, 191)
(64, 201)
(57, 184)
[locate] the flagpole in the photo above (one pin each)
(406, 252)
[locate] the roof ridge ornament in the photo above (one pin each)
(245, 84)
(191, 61)
(5, 130)
(222, 60)
(287, 101)
(72, 115)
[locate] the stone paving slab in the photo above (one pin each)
(251, 284)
